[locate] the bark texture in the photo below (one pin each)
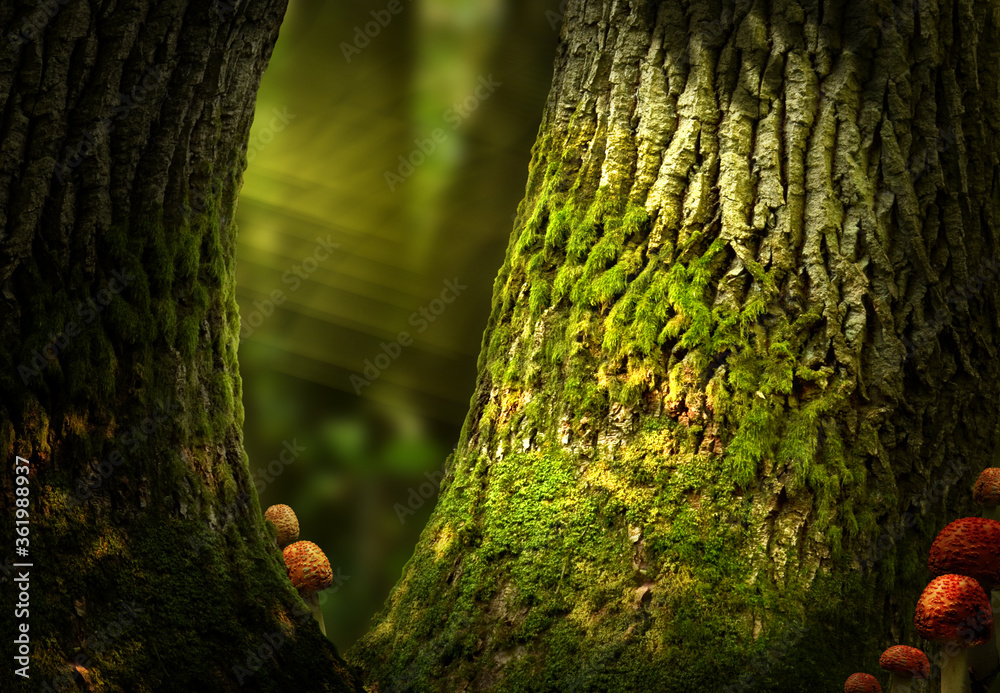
(741, 363)
(122, 145)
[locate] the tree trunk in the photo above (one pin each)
(122, 145)
(741, 363)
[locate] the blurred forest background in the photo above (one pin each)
(335, 113)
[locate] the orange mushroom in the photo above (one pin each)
(862, 683)
(904, 663)
(954, 610)
(310, 573)
(285, 523)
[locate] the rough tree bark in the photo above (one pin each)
(741, 363)
(122, 146)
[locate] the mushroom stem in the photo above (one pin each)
(983, 658)
(317, 611)
(900, 684)
(955, 672)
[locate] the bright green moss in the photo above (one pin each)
(607, 287)
(539, 299)
(581, 239)
(558, 230)
(566, 279)
(648, 307)
(545, 548)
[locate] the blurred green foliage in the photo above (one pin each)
(334, 115)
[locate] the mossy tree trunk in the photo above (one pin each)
(122, 146)
(742, 360)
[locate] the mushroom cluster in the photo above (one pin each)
(955, 608)
(308, 567)
(970, 546)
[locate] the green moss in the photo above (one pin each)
(566, 279)
(187, 335)
(152, 589)
(127, 323)
(582, 238)
(187, 258)
(540, 559)
(755, 438)
(558, 230)
(214, 268)
(649, 307)
(163, 520)
(222, 398)
(538, 301)
(167, 318)
(620, 447)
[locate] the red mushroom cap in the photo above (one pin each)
(907, 661)
(954, 608)
(969, 546)
(987, 489)
(862, 683)
(308, 568)
(285, 523)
